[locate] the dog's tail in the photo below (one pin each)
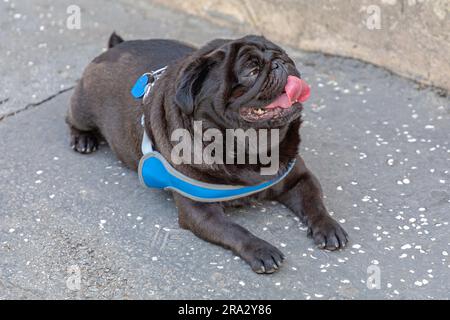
(114, 40)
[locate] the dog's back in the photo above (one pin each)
(102, 103)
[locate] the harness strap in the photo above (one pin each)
(146, 145)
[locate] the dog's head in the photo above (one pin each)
(249, 82)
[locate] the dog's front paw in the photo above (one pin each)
(328, 234)
(262, 256)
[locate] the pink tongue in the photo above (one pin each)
(296, 90)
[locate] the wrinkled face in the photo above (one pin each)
(245, 83)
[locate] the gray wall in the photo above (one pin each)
(409, 37)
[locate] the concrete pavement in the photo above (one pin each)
(379, 145)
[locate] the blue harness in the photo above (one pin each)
(156, 172)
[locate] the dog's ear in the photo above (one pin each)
(114, 40)
(191, 79)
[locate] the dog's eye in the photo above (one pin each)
(253, 72)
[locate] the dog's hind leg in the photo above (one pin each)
(83, 141)
(84, 137)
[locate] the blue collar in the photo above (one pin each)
(156, 172)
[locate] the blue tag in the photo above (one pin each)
(138, 89)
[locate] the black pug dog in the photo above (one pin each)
(226, 84)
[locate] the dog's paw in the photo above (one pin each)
(262, 256)
(328, 234)
(83, 142)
